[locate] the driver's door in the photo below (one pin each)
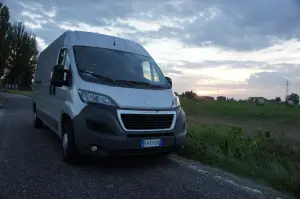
(58, 94)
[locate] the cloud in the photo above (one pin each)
(41, 43)
(109, 30)
(236, 48)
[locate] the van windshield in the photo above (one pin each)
(119, 66)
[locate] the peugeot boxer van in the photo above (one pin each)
(104, 95)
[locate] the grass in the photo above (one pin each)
(278, 113)
(21, 92)
(270, 158)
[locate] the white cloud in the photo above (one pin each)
(38, 24)
(141, 25)
(210, 47)
(51, 13)
(41, 43)
(31, 15)
(109, 30)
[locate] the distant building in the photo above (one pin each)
(221, 98)
(257, 100)
(205, 98)
(254, 99)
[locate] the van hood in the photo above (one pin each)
(134, 97)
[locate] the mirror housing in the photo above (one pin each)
(169, 81)
(58, 76)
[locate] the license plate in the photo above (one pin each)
(151, 143)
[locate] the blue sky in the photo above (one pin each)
(233, 48)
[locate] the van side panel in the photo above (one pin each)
(44, 97)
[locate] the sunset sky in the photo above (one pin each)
(227, 47)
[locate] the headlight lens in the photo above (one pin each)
(175, 102)
(97, 98)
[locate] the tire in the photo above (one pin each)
(70, 154)
(37, 122)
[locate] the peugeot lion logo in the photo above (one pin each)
(147, 103)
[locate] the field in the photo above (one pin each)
(260, 142)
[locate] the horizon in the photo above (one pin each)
(212, 48)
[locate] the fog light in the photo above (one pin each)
(94, 148)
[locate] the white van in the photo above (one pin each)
(105, 95)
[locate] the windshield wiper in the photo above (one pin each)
(106, 78)
(139, 83)
(97, 76)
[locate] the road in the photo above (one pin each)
(31, 167)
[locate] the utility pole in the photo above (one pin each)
(286, 89)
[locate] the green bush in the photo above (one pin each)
(266, 157)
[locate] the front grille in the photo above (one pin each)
(147, 121)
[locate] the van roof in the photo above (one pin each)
(103, 41)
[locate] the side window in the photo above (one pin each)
(146, 70)
(61, 57)
(67, 63)
(149, 72)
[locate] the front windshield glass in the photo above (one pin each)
(119, 65)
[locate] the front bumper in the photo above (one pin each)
(99, 126)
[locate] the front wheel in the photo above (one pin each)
(70, 155)
(37, 122)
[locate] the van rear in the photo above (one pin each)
(114, 99)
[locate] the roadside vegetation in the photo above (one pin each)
(18, 52)
(20, 92)
(1, 99)
(243, 111)
(267, 156)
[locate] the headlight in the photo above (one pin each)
(97, 98)
(175, 102)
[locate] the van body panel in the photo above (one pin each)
(52, 102)
(105, 41)
(133, 97)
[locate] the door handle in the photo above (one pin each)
(38, 82)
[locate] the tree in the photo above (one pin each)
(277, 99)
(293, 97)
(221, 98)
(189, 94)
(22, 62)
(4, 26)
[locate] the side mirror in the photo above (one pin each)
(58, 76)
(169, 80)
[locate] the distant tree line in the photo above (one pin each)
(18, 51)
(293, 97)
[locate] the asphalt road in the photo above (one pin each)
(31, 167)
